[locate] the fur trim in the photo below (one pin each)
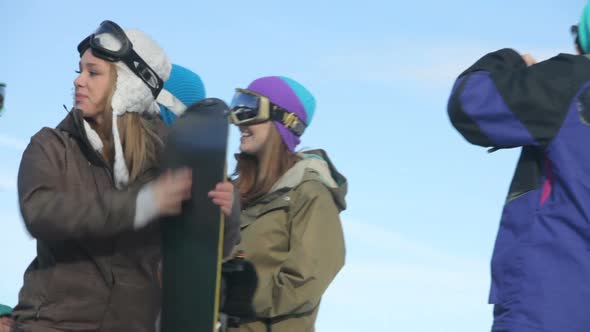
(93, 137)
(132, 95)
(120, 170)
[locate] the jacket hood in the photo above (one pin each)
(315, 166)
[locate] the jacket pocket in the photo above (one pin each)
(33, 295)
(507, 273)
(76, 293)
(514, 234)
(256, 212)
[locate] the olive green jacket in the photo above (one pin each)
(293, 236)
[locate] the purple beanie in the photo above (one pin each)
(290, 95)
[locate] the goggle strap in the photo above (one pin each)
(168, 100)
(84, 45)
(134, 57)
(126, 54)
(288, 119)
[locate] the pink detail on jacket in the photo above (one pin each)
(548, 184)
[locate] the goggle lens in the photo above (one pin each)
(244, 100)
(245, 114)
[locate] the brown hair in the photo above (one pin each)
(248, 169)
(139, 139)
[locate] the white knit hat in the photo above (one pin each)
(133, 95)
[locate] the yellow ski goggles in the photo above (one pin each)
(249, 108)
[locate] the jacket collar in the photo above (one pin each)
(73, 124)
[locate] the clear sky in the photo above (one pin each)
(423, 204)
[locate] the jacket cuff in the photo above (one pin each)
(504, 59)
(145, 207)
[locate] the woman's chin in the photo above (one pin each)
(86, 113)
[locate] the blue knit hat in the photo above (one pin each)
(584, 29)
(183, 88)
(290, 95)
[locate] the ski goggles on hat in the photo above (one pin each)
(248, 108)
(109, 42)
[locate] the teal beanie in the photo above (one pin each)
(186, 86)
(584, 29)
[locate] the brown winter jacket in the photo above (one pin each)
(92, 272)
(294, 238)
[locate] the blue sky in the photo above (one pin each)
(424, 205)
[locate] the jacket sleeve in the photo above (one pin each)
(500, 102)
(316, 255)
(231, 231)
(52, 212)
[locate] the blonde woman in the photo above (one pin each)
(89, 194)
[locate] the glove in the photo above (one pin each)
(239, 282)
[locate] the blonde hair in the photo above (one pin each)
(139, 139)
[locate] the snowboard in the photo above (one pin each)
(192, 241)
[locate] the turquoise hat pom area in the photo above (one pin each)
(305, 97)
(584, 29)
(186, 86)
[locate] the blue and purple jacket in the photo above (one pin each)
(541, 260)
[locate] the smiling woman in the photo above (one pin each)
(291, 229)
